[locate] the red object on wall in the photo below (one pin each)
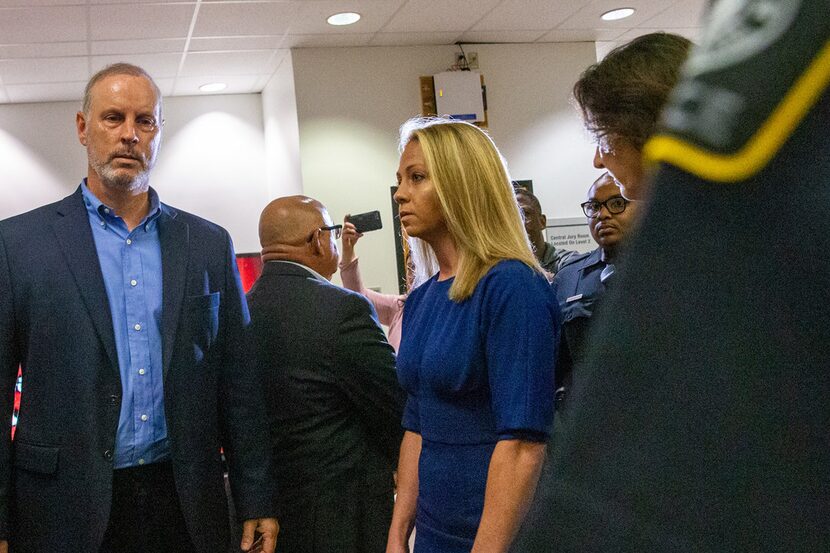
(17, 387)
(250, 267)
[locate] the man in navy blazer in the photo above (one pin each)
(126, 317)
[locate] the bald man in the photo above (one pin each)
(334, 402)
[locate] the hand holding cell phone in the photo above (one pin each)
(366, 222)
(349, 238)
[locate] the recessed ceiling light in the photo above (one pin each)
(213, 87)
(345, 18)
(620, 13)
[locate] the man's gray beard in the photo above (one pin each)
(112, 179)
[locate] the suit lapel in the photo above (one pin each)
(174, 236)
(74, 235)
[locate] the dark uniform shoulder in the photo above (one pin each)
(574, 261)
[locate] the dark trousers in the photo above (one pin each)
(341, 519)
(145, 515)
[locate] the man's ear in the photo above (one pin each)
(80, 124)
(544, 220)
(316, 244)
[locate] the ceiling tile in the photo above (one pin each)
(244, 18)
(415, 39)
(148, 21)
(141, 2)
(681, 15)
(589, 16)
(237, 84)
(501, 36)
(691, 33)
(50, 41)
(146, 46)
(159, 66)
(528, 15)
(43, 24)
(198, 44)
(47, 92)
(581, 35)
(44, 70)
(30, 3)
(253, 62)
(326, 40)
(43, 50)
(279, 58)
(312, 15)
(439, 15)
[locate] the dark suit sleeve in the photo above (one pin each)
(8, 375)
(245, 437)
(366, 373)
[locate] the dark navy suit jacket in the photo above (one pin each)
(56, 477)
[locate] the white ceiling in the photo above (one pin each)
(49, 48)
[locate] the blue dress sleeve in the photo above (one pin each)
(521, 329)
(411, 415)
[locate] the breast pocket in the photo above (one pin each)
(580, 309)
(203, 320)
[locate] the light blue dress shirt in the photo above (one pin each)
(131, 265)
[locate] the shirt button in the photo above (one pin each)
(141, 371)
(108, 455)
(129, 241)
(133, 282)
(106, 210)
(137, 327)
(144, 418)
(141, 461)
(103, 224)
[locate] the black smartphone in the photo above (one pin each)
(364, 222)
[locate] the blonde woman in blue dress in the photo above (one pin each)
(478, 348)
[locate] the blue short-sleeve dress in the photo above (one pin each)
(476, 372)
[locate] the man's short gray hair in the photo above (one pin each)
(117, 69)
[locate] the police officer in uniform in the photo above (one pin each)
(580, 284)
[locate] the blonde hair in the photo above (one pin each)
(476, 197)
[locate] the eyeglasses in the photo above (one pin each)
(614, 205)
(336, 229)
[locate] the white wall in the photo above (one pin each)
(212, 159)
(41, 159)
(282, 138)
(533, 121)
(325, 125)
(351, 101)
